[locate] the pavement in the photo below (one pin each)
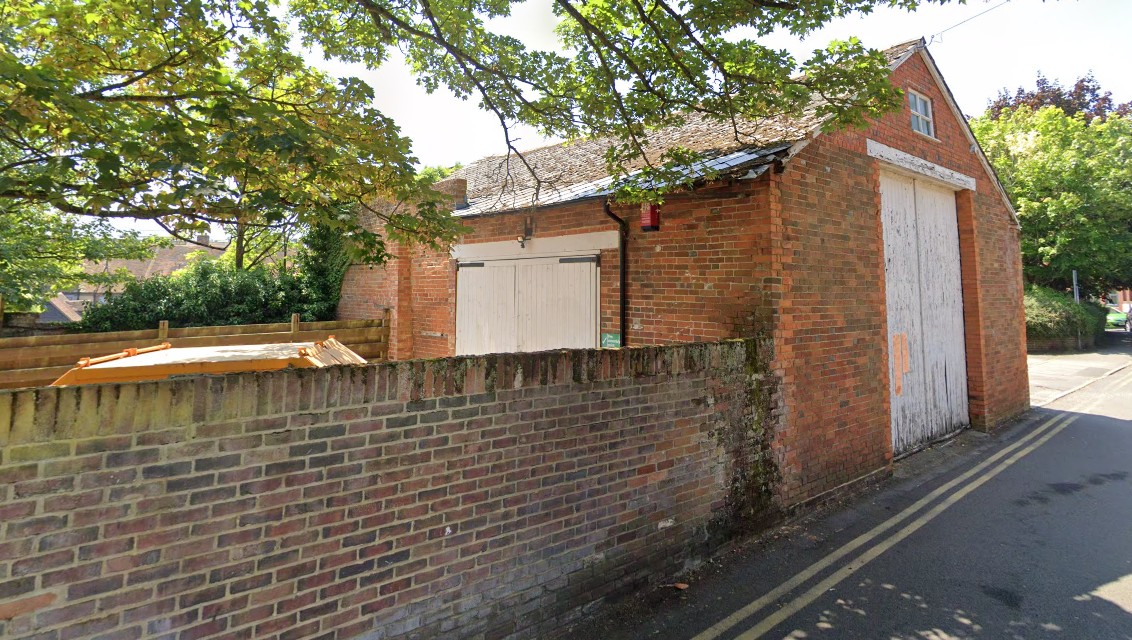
(1055, 375)
(1021, 533)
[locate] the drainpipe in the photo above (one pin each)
(622, 251)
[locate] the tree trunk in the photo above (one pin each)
(241, 244)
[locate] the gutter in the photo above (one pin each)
(623, 253)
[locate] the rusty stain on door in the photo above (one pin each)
(900, 363)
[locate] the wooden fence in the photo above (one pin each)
(39, 360)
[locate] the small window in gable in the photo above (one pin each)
(921, 114)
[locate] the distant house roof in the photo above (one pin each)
(576, 170)
(58, 309)
(164, 262)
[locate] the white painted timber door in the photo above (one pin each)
(532, 304)
(924, 297)
(485, 309)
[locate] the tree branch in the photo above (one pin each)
(178, 236)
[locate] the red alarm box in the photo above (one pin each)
(650, 217)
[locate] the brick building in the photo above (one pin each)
(880, 264)
(1123, 299)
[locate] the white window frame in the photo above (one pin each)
(920, 119)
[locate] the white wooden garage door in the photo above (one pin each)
(924, 295)
(535, 304)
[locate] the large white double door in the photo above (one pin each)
(528, 304)
(924, 295)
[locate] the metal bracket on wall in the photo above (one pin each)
(579, 259)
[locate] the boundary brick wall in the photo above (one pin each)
(490, 497)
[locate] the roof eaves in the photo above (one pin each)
(742, 163)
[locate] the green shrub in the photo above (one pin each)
(323, 262)
(1098, 317)
(1053, 314)
(205, 293)
(215, 292)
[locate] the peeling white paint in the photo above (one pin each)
(924, 306)
(915, 164)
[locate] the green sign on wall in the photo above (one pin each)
(610, 340)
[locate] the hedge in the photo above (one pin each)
(1053, 314)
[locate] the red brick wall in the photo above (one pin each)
(445, 498)
(432, 300)
(418, 285)
(830, 343)
(366, 292)
(702, 276)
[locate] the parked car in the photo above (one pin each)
(1117, 318)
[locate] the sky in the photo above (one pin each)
(979, 55)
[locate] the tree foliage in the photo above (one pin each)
(197, 111)
(1085, 97)
(1070, 180)
(323, 261)
(189, 112)
(432, 175)
(631, 66)
(252, 245)
(42, 253)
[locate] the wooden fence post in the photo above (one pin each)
(294, 327)
(162, 330)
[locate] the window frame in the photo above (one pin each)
(915, 98)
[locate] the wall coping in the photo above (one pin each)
(53, 414)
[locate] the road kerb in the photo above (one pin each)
(1083, 385)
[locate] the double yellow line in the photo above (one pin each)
(984, 471)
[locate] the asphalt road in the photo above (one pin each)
(1023, 534)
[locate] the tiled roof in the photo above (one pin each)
(575, 170)
(59, 309)
(164, 262)
(743, 161)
